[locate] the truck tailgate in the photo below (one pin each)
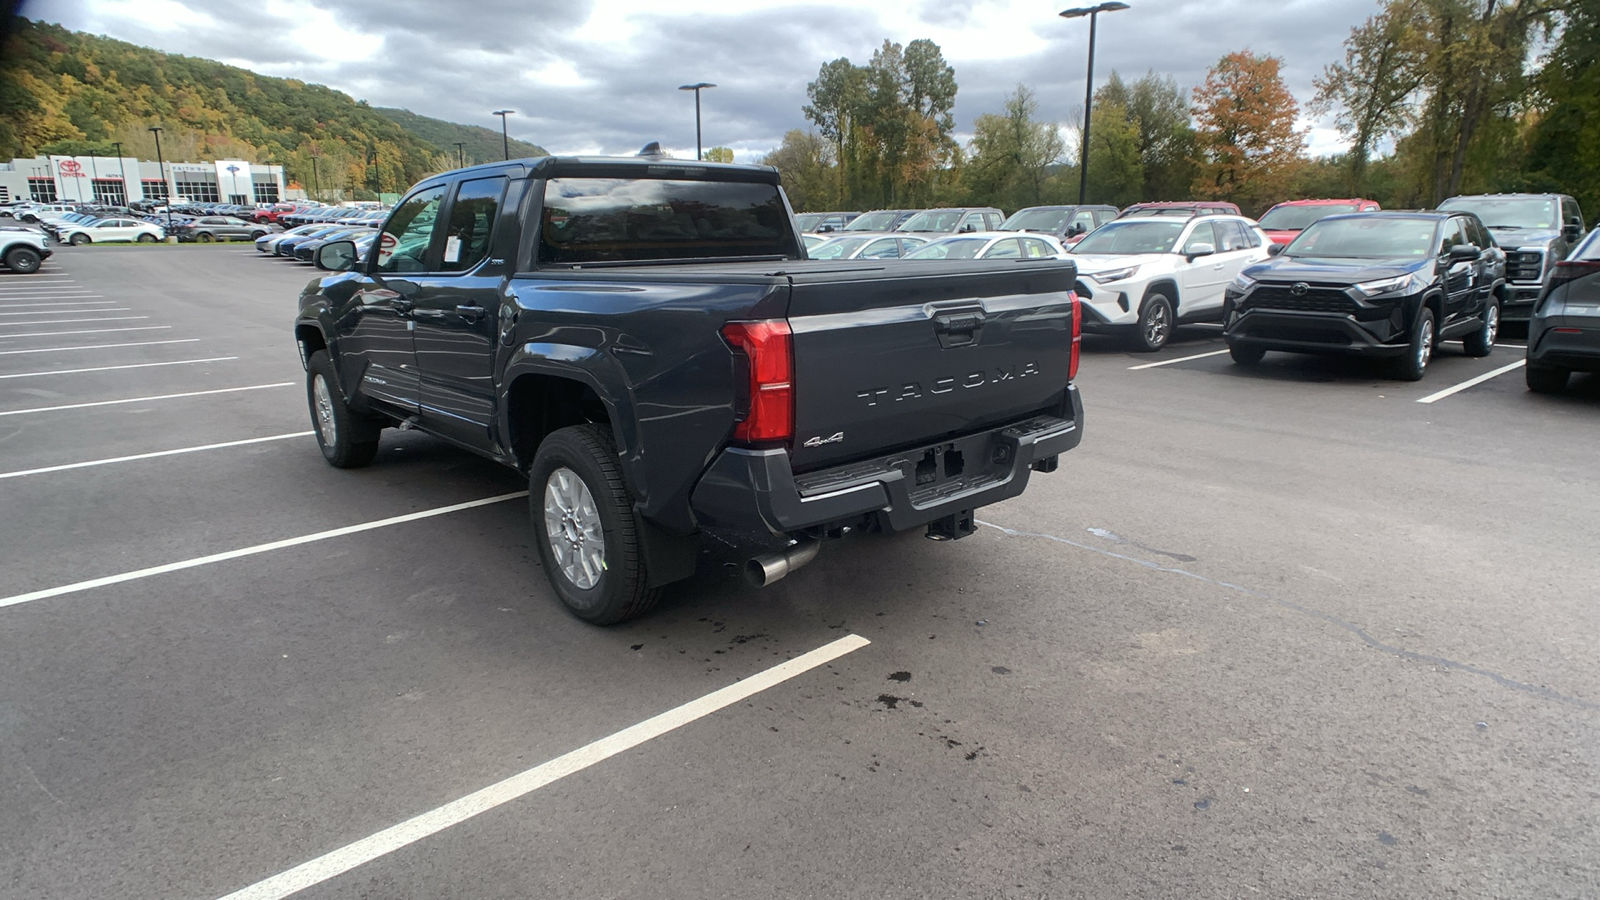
(909, 353)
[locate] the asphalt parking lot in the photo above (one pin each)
(1287, 631)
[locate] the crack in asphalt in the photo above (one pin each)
(1354, 629)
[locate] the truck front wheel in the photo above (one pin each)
(348, 440)
(583, 519)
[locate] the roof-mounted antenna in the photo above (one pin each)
(653, 149)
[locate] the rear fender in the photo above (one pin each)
(585, 365)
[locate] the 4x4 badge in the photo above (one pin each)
(1299, 288)
(818, 441)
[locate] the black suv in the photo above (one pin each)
(1381, 284)
(1564, 334)
(1536, 230)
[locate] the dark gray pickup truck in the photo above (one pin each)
(645, 339)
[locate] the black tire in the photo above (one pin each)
(348, 439)
(1481, 342)
(146, 238)
(79, 239)
(1419, 350)
(1156, 323)
(203, 237)
(23, 260)
(258, 235)
(1546, 379)
(619, 590)
(1246, 354)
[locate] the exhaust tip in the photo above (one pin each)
(763, 571)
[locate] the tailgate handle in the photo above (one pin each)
(958, 329)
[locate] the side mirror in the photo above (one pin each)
(1464, 253)
(337, 256)
(1076, 230)
(1274, 248)
(968, 228)
(824, 229)
(1572, 231)
(1195, 251)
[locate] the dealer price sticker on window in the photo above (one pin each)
(452, 249)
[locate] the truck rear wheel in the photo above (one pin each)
(348, 440)
(583, 520)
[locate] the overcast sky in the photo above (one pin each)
(601, 76)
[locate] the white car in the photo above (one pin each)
(991, 245)
(109, 230)
(1143, 276)
(867, 246)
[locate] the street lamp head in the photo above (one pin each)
(1110, 6)
(695, 87)
(503, 112)
(154, 128)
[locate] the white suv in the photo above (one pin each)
(1143, 276)
(22, 250)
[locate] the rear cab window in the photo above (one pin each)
(600, 220)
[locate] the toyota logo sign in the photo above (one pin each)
(1299, 288)
(72, 168)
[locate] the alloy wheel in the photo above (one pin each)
(572, 527)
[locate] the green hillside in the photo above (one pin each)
(63, 91)
(480, 144)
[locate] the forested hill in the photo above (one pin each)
(479, 144)
(63, 91)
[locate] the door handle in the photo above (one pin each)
(403, 305)
(470, 312)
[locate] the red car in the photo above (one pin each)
(1286, 220)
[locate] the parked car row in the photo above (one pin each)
(302, 242)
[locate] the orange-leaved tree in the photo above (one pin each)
(1245, 131)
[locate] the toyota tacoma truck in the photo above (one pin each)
(645, 340)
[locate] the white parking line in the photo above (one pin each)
(48, 295)
(80, 586)
(342, 860)
(60, 312)
(40, 409)
(90, 331)
(84, 302)
(1168, 362)
(1471, 382)
(176, 362)
(100, 346)
(70, 321)
(159, 453)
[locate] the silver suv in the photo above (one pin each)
(22, 250)
(1536, 231)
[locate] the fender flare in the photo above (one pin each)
(588, 366)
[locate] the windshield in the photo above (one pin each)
(954, 248)
(838, 249)
(1365, 237)
(1052, 221)
(1295, 218)
(807, 222)
(618, 219)
(1519, 212)
(1131, 237)
(940, 220)
(874, 221)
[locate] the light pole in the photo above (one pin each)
(122, 167)
(461, 154)
(1093, 12)
(697, 88)
(505, 141)
(316, 187)
(166, 187)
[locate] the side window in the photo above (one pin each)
(472, 218)
(1202, 234)
(403, 245)
(1033, 248)
(971, 222)
(1453, 236)
(1570, 213)
(1477, 234)
(992, 220)
(1006, 249)
(885, 248)
(1229, 236)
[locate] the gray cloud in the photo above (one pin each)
(461, 60)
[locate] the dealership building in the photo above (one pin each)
(112, 181)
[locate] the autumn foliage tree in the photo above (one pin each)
(1249, 147)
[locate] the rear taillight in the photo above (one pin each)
(766, 346)
(1573, 269)
(1077, 335)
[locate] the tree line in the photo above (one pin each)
(1434, 98)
